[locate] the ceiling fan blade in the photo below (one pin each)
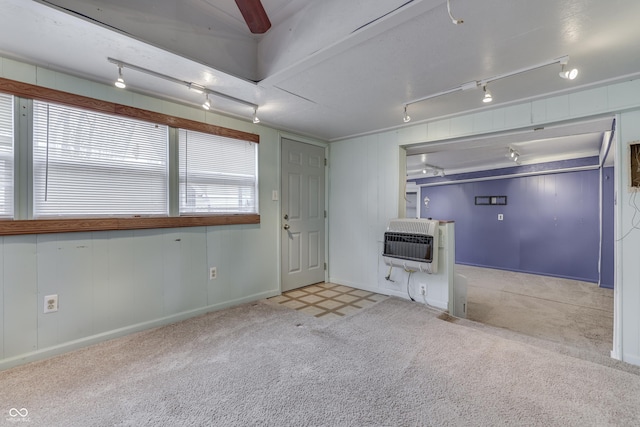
(254, 15)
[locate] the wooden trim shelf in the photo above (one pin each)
(41, 93)
(42, 226)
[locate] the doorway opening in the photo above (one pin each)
(552, 240)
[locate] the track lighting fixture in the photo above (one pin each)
(120, 82)
(192, 86)
(513, 155)
(487, 95)
(454, 20)
(406, 118)
(434, 170)
(196, 88)
(563, 61)
(567, 74)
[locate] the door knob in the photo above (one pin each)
(286, 226)
(286, 217)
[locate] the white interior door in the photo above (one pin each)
(303, 214)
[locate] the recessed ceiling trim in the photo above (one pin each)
(553, 130)
(507, 176)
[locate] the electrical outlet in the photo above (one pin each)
(423, 290)
(50, 303)
(213, 273)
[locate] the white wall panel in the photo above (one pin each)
(589, 102)
(550, 109)
(1, 294)
(20, 295)
(413, 134)
(482, 122)
(623, 95)
(18, 71)
(499, 118)
(65, 269)
(440, 129)
(190, 287)
(517, 116)
(628, 259)
(114, 283)
(148, 275)
(64, 82)
(464, 125)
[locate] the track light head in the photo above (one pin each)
(120, 84)
(570, 74)
(487, 95)
(256, 120)
(513, 155)
(406, 118)
(206, 105)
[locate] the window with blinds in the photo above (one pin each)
(217, 174)
(92, 164)
(6, 156)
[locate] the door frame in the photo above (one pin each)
(310, 141)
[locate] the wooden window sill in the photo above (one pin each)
(43, 226)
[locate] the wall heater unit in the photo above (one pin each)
(412, 244)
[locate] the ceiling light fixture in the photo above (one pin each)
(256, 120)
(513, 155)
(435, 170)
(406, 118)
(567, 74)
(192, 86)
(564, 60)
(120, 84)
(487, 95)
(454, 20)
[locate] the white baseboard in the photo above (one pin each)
(48, 352)
(442, 305)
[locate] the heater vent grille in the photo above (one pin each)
(412, 243)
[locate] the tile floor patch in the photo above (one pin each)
(327, 300)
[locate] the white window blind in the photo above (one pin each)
(217, 174)
(93, 164)
(6, 156)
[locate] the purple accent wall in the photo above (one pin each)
(550, 226)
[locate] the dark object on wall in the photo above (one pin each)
(491, 200)
(634, 166)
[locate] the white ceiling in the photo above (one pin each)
(333, 69)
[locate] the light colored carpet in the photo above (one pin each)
(392, 364)
(567, 312)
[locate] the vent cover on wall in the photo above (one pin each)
(412, 243)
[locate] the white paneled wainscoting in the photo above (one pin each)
(111, 283)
